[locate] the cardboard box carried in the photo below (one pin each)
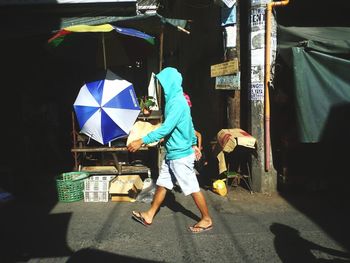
(125, 188)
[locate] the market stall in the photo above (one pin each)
(127, 51)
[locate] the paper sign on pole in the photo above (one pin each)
(231, 36)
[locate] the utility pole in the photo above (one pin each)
(264, 176)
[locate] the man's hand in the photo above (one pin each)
(197, 152)
(135, 145)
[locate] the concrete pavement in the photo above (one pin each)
(293, 227)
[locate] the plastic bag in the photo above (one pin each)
(219, 187)
(147, 192)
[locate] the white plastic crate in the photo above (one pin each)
(96, 188)
(97, 183)
(96, 196)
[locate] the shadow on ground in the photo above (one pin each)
(28, 230)
(328, 208)
(292, 247)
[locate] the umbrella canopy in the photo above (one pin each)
(58, 38)
(122, 43)
(106, 109)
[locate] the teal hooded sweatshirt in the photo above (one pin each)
(177, 128)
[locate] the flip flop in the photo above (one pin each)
(139, 218)
(201, 229)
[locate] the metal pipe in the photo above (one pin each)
(183, 30)
(269, 8)
(104, 51)
(161, 46)
(74, 135)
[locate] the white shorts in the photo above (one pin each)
(182, 171)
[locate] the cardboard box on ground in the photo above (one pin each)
(125, 188)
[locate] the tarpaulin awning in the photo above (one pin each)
(333, 40)
(320, 61)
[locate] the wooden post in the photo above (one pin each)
(234, 98)
(234, 109)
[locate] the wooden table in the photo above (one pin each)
(113, 150)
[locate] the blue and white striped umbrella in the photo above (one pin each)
(106, 109)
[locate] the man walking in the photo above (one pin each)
(181, 152)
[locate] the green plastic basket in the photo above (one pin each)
(70, 186)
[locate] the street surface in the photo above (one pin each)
(247, 228)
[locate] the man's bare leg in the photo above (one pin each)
(206, 220)
(158, 199)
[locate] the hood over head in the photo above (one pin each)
(171, 81)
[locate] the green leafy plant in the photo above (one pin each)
(146, 102)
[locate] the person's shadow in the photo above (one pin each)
(291, 247)
(175, 206)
